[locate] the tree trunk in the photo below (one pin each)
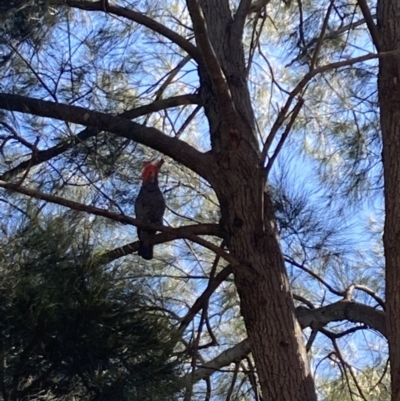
(262, 283)
(246, 218)
(389, 98)
(268, 311)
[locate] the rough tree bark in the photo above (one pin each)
(247, 217)
(389, 97)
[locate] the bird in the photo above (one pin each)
(149, 206)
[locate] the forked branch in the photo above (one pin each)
(373, 30)
(201, 163)
(132, 247)
(45, 155)
(140, 19)
(205, 296)
(342, 310)
(119, 217)
(210, 61)
(239, 20)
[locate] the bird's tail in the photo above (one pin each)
(145, 250)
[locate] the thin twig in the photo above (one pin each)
(316, 276)
(252, 378)
(171, 75)
(188, 120)
(233, 381)
(213, 284)
(321, 36)
(34, 151)
(311, 340)
(349, 367)
(294, 114)
(194, 350)
(40, 80)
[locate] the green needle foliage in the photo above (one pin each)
(71, 328)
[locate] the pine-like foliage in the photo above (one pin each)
(71, 328)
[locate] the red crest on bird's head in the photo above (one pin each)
(151, 169)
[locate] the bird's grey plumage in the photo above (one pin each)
(149, 207)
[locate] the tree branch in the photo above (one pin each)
(372, 294)
(347, 293)
(161, 104)
(342, 310)
(322, 35)
(201, 163)
(239, 20)
(195, 229)
(140, 19)
(257, 5)
(316, 276)
(174, 232)
(373, 30)
(225, 358)
(204, 297)
(48, 154)
(282, 115)
(295, 112)
(171, 76)
(210, 61)
(332, 35)
(132, 247)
